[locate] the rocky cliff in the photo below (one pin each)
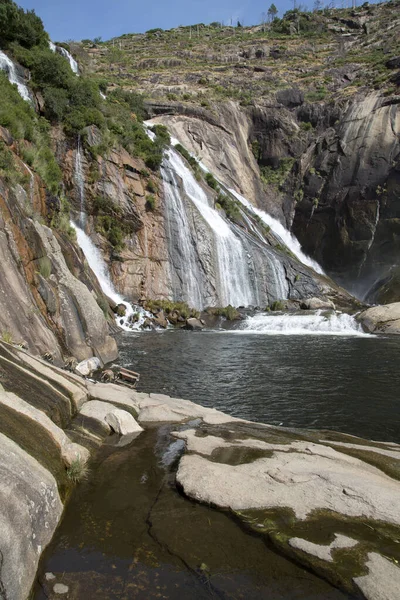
(301, 116)
(50, 303)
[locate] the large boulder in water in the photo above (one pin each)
(194, 324)
(382, 319)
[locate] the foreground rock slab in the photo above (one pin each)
(327, 500)
(30, 511)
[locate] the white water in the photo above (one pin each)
(7, 65)
(235, 286)
(317, 323)
(80, 183)
(187, 287)
(280, 231)
(72, 62)
(100, 269)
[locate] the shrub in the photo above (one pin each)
(277, 305)
(150, 203)
(211, 181)
(6, 337)
(24, 27)
(230, 207)
(151, 186)
(229, 312)
(44, 267)
(78, 470)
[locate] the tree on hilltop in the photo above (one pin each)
(272, 12)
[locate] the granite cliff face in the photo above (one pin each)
(49, 302)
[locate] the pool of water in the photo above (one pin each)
(346, 383)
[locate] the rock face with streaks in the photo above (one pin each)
(30, 510)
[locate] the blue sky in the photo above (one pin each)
(79, 19)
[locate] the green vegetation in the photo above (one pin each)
(77, 471)
(44, 267)
(150, 202)
(190, 159)
(229, 312)
(230, 207)
(272, 176)
(6, 337)
(20, 119)
(109, 222)
(18, 25)
(170, 307)
(277, 306)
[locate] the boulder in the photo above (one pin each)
(120, 310)
(122, 423)
(160, 320)
(194, 324)
(382, 319)
(291, 97)
(88, 366)
(30, 511)
(110, 417)
(393, 63)
(317, 304)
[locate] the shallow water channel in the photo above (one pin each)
(128, 533)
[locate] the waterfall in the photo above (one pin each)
(234, 285)
(100, 269)
(307, 324)
(281, 232)
(67, 55)
(186, 279)
(80, 183)
(7, 65)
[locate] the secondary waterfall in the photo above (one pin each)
(232, 278)
(7, 65)
(308, 324)
(281, 232)
(80, 183)
(100, 269)
(72, 62)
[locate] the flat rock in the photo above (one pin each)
(30, 510)
(310, 477)
(320, 551)
(382, 581)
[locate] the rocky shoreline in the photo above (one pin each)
(328, 501)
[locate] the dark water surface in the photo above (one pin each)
(349, 384)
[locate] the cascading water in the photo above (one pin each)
(134, 315)
(7, 65)
(67, 55)
(318, 323)
(186, 279)
(234, 285)
(80, 183)
(281, 232)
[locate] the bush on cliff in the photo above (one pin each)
(24, 27)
